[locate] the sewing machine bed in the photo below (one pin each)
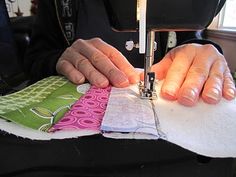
(99, 156)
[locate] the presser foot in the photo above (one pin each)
(145, 93)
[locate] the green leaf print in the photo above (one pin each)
(67, 97)
(42, 112)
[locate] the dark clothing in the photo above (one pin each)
(94, 155)
(8, 60)
(92, 21)
(58, 25)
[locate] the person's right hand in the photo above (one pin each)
(98, 62)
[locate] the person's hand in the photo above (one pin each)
(98, 62)
(194, 70)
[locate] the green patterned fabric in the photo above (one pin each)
(41, 104)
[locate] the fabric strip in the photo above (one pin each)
(86, 113)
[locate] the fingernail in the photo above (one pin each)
(231, 93)
(189, 95)
(102, 82)
(213, 94)
(123, 83)
(80, 80)
(170, 90)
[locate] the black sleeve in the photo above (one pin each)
(204, 41)
(195, 37)
(46, 45)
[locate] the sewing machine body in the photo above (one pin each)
(148, 16)
(162, 15)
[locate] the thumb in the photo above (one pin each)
(160, 68)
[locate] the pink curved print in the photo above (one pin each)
(87, 112)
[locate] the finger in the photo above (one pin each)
(182, 59)
(117, 58)
(195, 79)
(229, 91)
(91, 73)
(102, 63)
(86, 68)
(68, 70)
(160, 68)
(212, 91)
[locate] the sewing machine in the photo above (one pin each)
(148, 16)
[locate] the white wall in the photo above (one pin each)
(12, 7)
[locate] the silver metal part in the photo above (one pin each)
(147, 93)
(147, 90)
(129, 45)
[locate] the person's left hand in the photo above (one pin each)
(192, 70)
